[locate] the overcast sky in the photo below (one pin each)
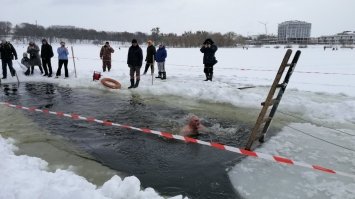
(240, 16)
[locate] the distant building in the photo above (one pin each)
(344, 38)
(294, 32)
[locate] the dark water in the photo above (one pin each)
(171, 167)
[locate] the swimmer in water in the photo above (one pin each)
(193, 128)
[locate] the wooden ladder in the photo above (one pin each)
(262, 123)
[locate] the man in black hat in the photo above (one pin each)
(134, 61)
(7, 54)
(46, 55)
(209, 60)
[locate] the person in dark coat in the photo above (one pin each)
(105, 55)
(46, 55)
(150, 57)
(33, 50)
(160, 58)
(134, 61)
(7, 54)
(209, 60)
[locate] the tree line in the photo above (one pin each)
(27, 31)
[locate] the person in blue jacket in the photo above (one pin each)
(160, 57)
(62, 59)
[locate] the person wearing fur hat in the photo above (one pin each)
(46, 55)
(33, 50)
(134, 62)
(150, 58)
(7, 54)
(209, 60)
(105, 55)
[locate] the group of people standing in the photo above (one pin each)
(34, 56)
(134, 59)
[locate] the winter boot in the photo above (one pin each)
(207, 77)
(210, 77)
(137, 83)
(132, 84)
(159, 75)
(164, 75)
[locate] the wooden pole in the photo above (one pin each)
(72, 51)
(152, 70)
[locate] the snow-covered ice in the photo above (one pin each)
(26, 177)
(320, 99)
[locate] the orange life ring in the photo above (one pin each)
(111, 83)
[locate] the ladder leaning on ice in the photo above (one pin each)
(262, 123)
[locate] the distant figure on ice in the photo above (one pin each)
(46, 55)
(150, 57)
(33, 50)
(193, 128)
(62, 59)
(26, 62)
(105, 55)
(7, 54)
(160, 58)
(209, 60)
(134, 61)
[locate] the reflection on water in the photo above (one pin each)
(169, 166)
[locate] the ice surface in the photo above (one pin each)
(316, 97)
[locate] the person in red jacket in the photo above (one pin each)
(105, 55)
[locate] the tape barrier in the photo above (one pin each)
(273, 158)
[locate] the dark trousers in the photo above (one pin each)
(208, 70)
(33, 68)
(47, 66)
(135, 70)
(60, 64)
(106, 64)
(4, 68)
(147, 66)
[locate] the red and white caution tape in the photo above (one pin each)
(273, 158)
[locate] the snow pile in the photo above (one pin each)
(26, 177)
